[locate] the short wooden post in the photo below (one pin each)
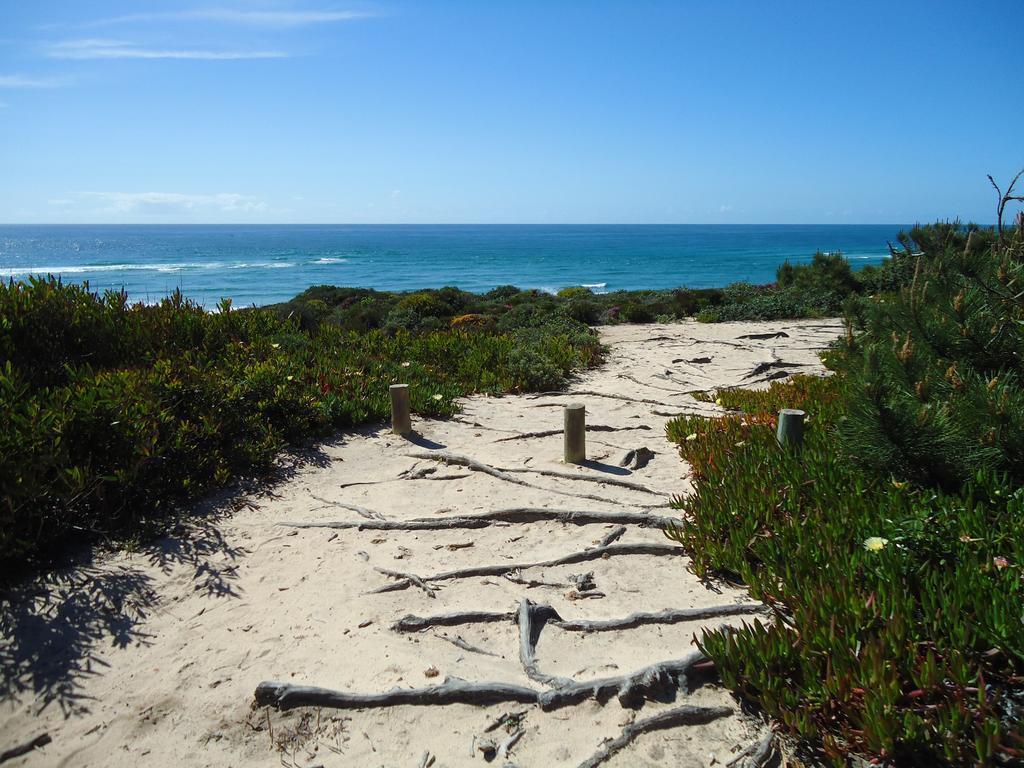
(790, 433)
(401, 423)
(575, 433)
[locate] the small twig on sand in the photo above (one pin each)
(407, 579)
(612, 536)
(759, 751)
(369, 514)
(460, 643)
(672, 718)
(504, 718)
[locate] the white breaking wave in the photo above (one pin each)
(330, 260)
(593, 285)
(84, 269)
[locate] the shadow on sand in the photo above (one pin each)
(57, 629)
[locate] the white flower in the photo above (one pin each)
(875, 543)
(406, 364)
(437, 397)
(691, 438)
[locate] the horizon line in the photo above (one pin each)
(465, 224)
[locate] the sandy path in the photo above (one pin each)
(152, 657)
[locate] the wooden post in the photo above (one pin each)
(401, 423)
(790, 433)
(575, 433)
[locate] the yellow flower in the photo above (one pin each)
(875, 543)
(437, 397)
(290, 378)
(718, 402)
(691, 438)
(276, 346)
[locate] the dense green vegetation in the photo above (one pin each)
(114, 414)
(816, 289)
(891, 547)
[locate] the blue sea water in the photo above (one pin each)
(270, 263)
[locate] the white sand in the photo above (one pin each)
(161, 670)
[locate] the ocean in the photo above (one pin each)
(271, 263)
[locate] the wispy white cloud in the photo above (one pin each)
(279, 19)
(177, 202)
(93, 48)
(27, 82)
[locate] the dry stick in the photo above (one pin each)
(528, 612)
(502, 473)
(597, 553)
(369, 514)
(759, 753)
(684, 715)
(458, 642)
(23, 749)
(485, 519)
(504, 718)
(552, 432)
(408, 578)
(612, 537)
(510, 742)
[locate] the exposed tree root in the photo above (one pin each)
(763, 336)
(23, 749)
(531, 621)
(612, 537)
(672, 718)
(412, 623)
(612, 550)
(552, 432)
(586, 479)
(503, 473)
(452, 691)
(592, 393)
(668, 616)
(658, 681)
(485, 519)
(407, 579)
(500, 474)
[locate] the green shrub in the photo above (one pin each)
(114, 414)
(898, 629)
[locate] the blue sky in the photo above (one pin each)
(709, 111)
